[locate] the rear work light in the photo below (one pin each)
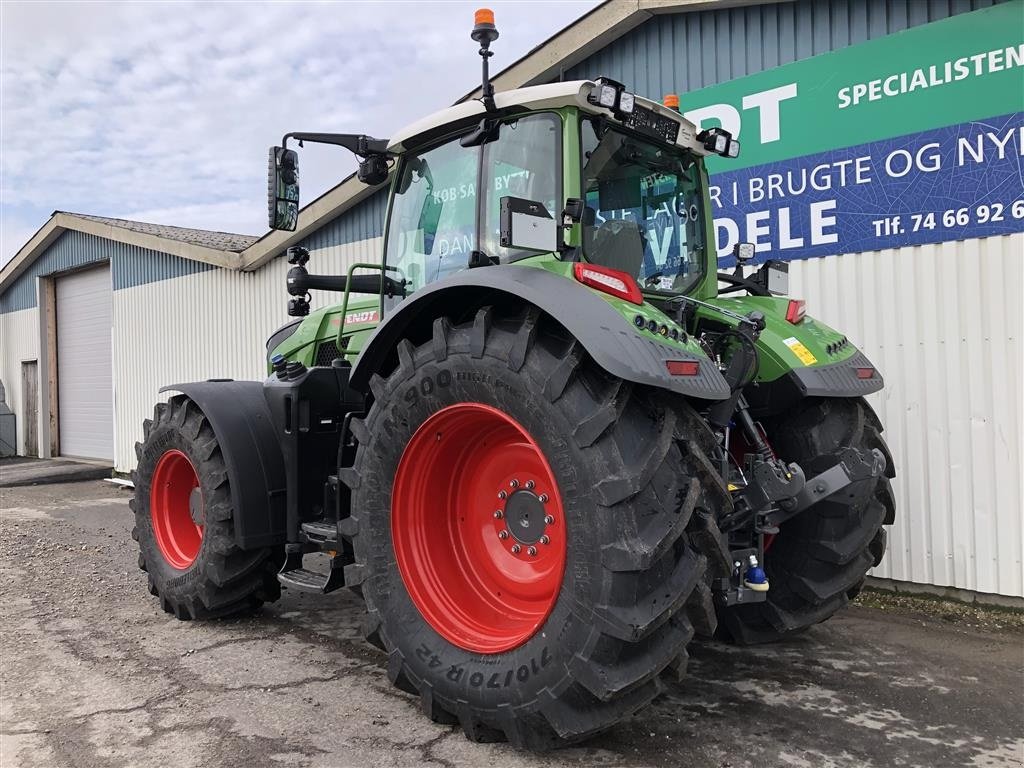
(795, 311)
(683, 367)
(611, 281)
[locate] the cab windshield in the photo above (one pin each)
(644, 209)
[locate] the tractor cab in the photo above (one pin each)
(574, 172)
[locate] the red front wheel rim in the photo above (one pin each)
(173, 494)
(478, 528)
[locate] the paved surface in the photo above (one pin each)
(93, 673)
(21, 471)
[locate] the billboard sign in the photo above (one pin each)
(913, 138)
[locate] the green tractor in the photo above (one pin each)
(554, 443)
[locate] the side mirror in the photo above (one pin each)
(527, 224)
(283, 188)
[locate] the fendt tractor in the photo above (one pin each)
(554, 443)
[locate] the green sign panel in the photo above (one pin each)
(964, 68)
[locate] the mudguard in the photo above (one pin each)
(240, 417)
(832, 380)
(608, 338)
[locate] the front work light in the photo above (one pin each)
(719, 141)
(626, 103)
(744, 252)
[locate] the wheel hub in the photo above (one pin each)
(478, 529)
(177, 509)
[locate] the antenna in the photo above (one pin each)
(485, 33)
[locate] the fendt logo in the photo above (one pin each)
(367, 316)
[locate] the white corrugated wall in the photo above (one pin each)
(211, 324)
(943, 323)
(19, 342)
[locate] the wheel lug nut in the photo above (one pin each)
(549, 519)
(498, 514)
(543, 498)
(515, 549)
(513, 484)
(530, 484)
(502, 495)
(544, 539)
(502, 534)
(532, 551)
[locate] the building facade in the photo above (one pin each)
(882, 142)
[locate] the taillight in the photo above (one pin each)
(795, 311)
(612, 281)
(683, 367)
(865, 373)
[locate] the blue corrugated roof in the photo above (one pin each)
(681, 52)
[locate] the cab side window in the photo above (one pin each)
(433, 216)
(524, 162)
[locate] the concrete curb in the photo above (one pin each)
(15, 473)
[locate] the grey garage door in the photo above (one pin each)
(84, 364)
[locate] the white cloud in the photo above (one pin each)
(166, 109)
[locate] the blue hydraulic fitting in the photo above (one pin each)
(755, 577)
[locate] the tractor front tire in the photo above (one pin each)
(818, 560)
(522, 523)
(184, 521)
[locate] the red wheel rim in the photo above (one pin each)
(478, 528)
(177, 534)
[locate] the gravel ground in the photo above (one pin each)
(93, 673)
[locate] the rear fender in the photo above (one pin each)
(240, 418)
(608, 337)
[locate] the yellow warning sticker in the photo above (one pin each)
(800, 350)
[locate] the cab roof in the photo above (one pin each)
(537, 97)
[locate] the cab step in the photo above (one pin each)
(321, 532)
(294, 576)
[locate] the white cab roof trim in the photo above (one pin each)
(553, 95)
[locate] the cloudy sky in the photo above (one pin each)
(163, 112)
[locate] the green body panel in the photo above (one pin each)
(324, 324)
(777, 357)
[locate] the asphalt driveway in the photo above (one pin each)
(93, 673)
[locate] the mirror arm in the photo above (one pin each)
(356, 143)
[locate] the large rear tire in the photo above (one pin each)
(818, 560)
(521, 523)
(184, 521)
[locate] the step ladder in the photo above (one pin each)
(323, 534)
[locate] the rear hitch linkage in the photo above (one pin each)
(768, 491)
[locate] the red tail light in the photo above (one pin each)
(683, 367)
(795, 311)
(865, 373)
(612, 281)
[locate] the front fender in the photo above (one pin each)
(240, 418)
(612, 342)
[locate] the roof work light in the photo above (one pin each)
(719, 141)
(612, 95)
